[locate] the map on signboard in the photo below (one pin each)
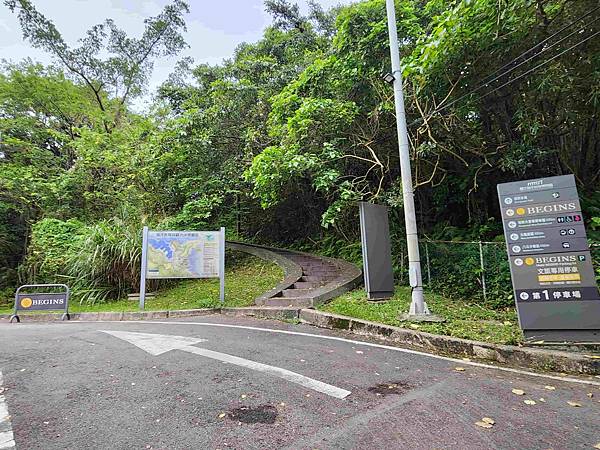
(183, 254)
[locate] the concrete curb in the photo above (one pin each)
(349, 277)
(266, 312)
(523, 357)
(115, 316)
(292, 271)
(530, 358)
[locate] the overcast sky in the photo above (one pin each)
(215, 27)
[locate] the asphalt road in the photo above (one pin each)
(221, 385)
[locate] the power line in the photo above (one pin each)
(544, 41)
(540, 65)
(484, 84)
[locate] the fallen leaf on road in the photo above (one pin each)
(518, 391)
(459, 369)
(597, 445)
(282, 404)
(529, 402)
(243, 395)
(590, 395)
(222, 415)
(359, 352)
(488, 420)
(483, 424)
(550, 388)
(542, 400)
(574, 404)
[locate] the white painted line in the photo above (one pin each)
(7, 439)
(288, 375)
(157, 344)
(367, 344)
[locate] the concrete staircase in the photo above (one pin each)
(309, 279)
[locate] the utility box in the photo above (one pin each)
(376, 251)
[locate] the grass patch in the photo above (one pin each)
(246, 277)
(463, 319)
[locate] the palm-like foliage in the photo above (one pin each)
(107, 264)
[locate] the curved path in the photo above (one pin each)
(309, 279)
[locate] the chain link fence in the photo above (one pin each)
(470, 269)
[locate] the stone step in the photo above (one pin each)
(313, 272)
(295, 292)
(305, 285)
(313, 279)
(318, 269)
(289, 301)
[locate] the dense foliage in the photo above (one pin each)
(278, 142)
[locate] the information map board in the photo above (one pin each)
(551, 266)
(182, 254)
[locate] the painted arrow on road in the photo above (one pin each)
(157, 344)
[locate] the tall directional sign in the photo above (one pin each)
(551, 267)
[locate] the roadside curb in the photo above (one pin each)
(531, 358)
(267, 312)
(524, 357)
(117, 316)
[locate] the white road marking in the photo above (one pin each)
(7, 439)
(367, 344)
(288, 375)
(156, 344)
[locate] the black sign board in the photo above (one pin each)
(41, 301)
(553, 278)
(376, 250)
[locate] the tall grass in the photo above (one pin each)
(106, 264)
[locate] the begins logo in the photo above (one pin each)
(26, 302)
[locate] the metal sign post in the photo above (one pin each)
(182, 254)
(41, 301)
(222, 266)
(144, 268)
(551, 267)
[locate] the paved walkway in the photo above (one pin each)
(240, 383)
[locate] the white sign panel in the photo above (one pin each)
(183, 254)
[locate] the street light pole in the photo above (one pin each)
(418, 307)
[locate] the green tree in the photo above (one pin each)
(125, 71)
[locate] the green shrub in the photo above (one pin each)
(52, 243)
(106, 263)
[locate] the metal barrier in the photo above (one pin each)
(41, 301)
